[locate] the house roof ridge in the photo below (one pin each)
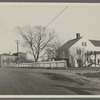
(95, 42)
(69, 43)
(72, 40)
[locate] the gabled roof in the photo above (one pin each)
(18, 53)
(95, 42)
(68, 44)
(5, 54)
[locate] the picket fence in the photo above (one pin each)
(48, 64)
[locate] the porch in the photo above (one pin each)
(93, 58)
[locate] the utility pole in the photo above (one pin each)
(17, 41)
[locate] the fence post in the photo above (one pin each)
(65, 64)
(44, 65)
(56, 64)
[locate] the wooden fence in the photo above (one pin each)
(48, 64)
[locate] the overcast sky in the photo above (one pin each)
(77, 18)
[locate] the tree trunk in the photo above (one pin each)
(36, 60)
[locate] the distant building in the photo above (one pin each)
(81, 50)
(20, 55)
(6, 59)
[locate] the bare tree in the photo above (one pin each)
(81, 57)
(78, 57)
(36, 39)
(20, 59)
(71, 59)
(51, 49)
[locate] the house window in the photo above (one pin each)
(63, 54)
(84, 44)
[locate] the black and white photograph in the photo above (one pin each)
(49, 49)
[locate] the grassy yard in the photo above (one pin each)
(94, 75)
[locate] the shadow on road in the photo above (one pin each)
(68, 78)
(79, 91)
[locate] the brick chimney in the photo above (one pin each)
(77, 35)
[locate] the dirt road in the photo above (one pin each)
(25, 81)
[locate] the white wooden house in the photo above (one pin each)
(79, 50)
